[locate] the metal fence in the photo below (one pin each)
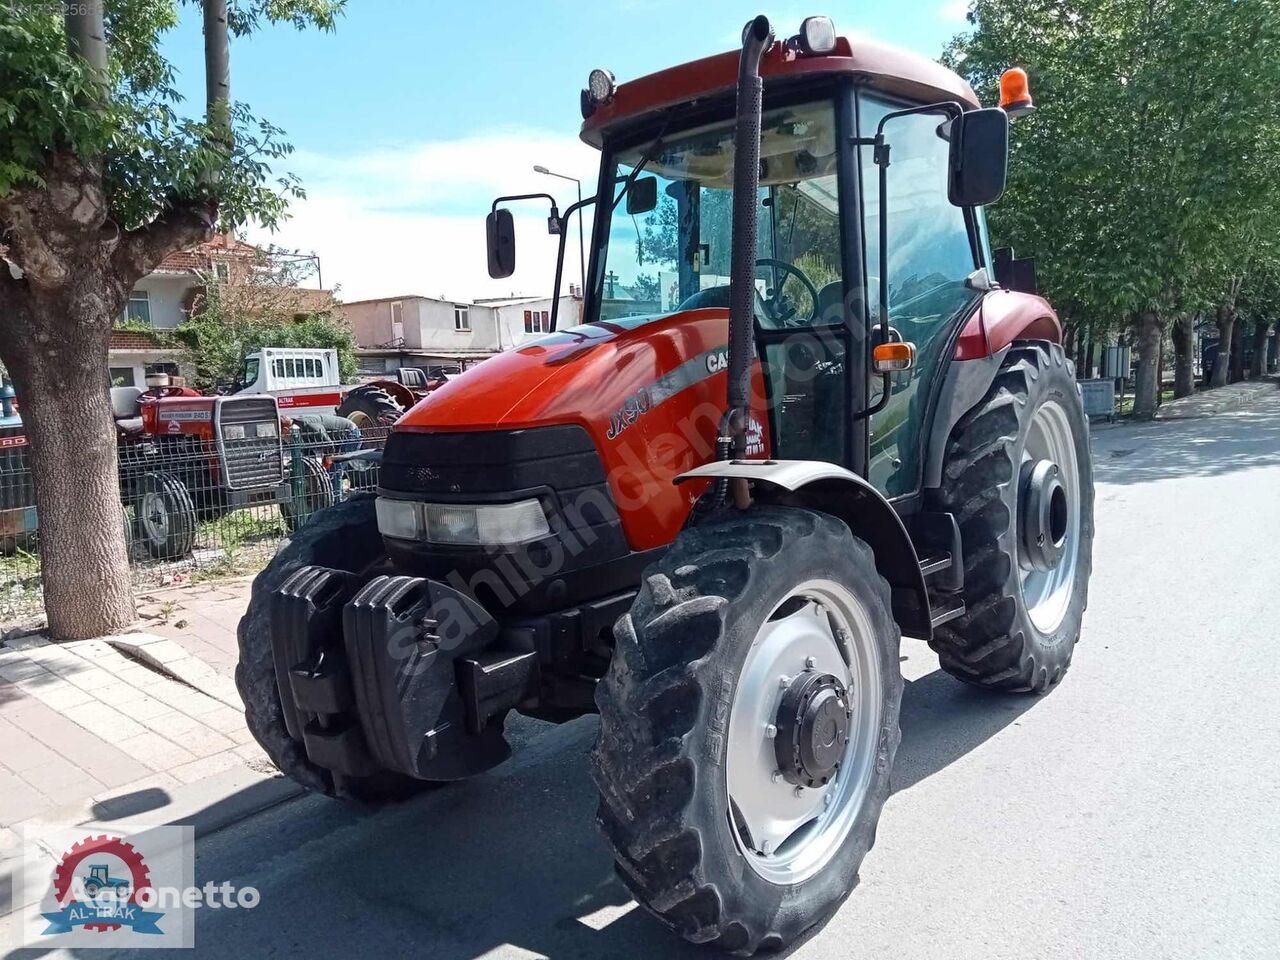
(194, 508)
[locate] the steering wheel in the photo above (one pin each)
(780, 307)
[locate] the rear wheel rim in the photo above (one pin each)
(360, 419)
(786, 836)
(153, 512)
(1046, 594)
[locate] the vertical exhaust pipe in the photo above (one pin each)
(756, 38)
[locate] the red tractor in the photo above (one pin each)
(809, 411)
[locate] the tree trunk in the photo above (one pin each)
(1258, 362)
(1237, 356)
(55, 349)
(1146, 387)
(1222, 362)
(63, 281)
(1088, 359)
(1184, 342)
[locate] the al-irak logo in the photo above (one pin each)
(128, 885)
(97, 885)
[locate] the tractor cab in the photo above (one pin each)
(873, 164)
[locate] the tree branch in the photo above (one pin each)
(177, 228)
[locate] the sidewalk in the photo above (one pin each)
(146, 726)
(1209, 403)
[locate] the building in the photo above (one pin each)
(165, 297)
(415, 331)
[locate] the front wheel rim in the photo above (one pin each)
(785, 834)
(1046, 594)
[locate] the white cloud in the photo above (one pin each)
(954, 10)
(410, 219)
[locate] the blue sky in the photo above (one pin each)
(413, 115)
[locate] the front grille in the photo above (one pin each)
(16, 488)
(255, 459)
(586, 555)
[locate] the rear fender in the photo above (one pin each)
(1003, 317)
(841, 493)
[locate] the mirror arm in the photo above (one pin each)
(555, 292)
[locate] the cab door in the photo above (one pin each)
(931, 255)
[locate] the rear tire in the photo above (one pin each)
(343, 537)
(665, 758)
(370, 407)
(164, 516)
(1008, 638)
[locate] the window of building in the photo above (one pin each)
(222, 271)
(461, 317)
(170, 368)
(397, 320)
(277, 367)
(121, 376)
(139, 307)
(537, 321)
(290, 367)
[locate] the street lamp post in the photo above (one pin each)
(582, 254)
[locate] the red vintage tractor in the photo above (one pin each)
(809, 411)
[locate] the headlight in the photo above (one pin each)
(233, 431)
(268, 428)
(462, 524)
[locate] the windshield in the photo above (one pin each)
(677, 255)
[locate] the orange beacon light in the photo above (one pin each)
(1015, 93)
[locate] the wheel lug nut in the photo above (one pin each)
(770, 730)
(783, 682)
(798, 791)
(826, 801)
(766, 847)
(810, 662)
(777, 776)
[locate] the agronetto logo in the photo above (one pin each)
(131, 887)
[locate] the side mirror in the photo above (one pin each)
(500, 235)
(642, 195)
(979, 157)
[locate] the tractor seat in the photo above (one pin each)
(126, 408)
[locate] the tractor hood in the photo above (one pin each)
(649, 391)
(581, 375)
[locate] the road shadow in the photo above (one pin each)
(504, 865)
(1209, 447)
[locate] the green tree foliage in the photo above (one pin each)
(103, 173)
(218, 337)
(1145, 181)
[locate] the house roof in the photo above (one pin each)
(199, 258)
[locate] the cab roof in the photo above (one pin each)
(885, 68)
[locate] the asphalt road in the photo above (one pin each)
(1132, 812)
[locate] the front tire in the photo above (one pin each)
(317, 494)
(702, 832)
(165, 516)
(1021, 622)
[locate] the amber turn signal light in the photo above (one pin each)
(893, 356)
(1015, 92)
